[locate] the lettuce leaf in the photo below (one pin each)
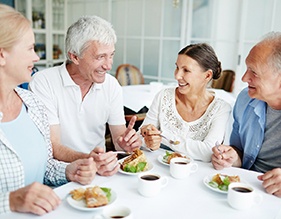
(107, 192)
(166, 156)
(131, 169)
(141, 166)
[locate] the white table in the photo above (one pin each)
(137, 96)
(187, 198)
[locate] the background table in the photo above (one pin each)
(137, 96)
(187, 198)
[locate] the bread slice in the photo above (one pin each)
(173, 155)
(134, 159)
(218, 178)
(78, 194)
(95, 197)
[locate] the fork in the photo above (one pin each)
(122, 152)
(217, 146)
(170, 141)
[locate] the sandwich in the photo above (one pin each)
(93, 196)
(169, 156)
(135, 163)
(220, 178)
(222, 181)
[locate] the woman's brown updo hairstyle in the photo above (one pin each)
(205, 56)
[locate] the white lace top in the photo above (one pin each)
(197, 137)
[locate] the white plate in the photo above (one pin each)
(81, 205)
(150, 167)
(207, 179)
(162, 161)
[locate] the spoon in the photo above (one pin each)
(170, 141)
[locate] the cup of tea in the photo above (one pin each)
(150, 184)
(181, 167)
(242, 196)
(115, 212)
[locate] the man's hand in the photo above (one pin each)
(151, 136)
(82, 171)
(34, 198)
(130, 140)
(225, 156)
(107, 163)
(272, 181)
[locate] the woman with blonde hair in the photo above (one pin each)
(26, 157)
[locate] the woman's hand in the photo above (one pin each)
(151, 136)
(35, 198)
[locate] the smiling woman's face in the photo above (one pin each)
(189, 74)
(19, 60)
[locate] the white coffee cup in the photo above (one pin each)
(181, 167)
(115, 212)
(242, 196)
(150, 184)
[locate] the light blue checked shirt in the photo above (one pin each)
(11, 168)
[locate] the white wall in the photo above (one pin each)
(231, 27)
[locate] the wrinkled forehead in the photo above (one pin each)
(100, 48)
(259, 54)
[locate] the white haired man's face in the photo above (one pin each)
(263, 82)
(95, 61)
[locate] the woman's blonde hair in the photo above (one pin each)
(12, 26)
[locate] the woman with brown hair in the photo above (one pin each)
(189, 113)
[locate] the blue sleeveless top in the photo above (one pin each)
(29, 144)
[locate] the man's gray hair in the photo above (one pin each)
(86, 30)
(273, 40)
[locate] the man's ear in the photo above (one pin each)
(2, 57)
(74, 58)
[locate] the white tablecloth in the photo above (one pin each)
(187, 198)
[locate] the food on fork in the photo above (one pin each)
(170, 155)
(222, 181)
(94, 196)
(135, 163)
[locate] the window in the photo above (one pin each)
(150, 33)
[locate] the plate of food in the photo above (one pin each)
(166, 158)
(219, 182)
(91, 198)
(135, 164)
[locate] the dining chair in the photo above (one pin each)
(225, 81)
(128, 74)
(141, 114)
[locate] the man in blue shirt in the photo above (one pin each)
(255, 141)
